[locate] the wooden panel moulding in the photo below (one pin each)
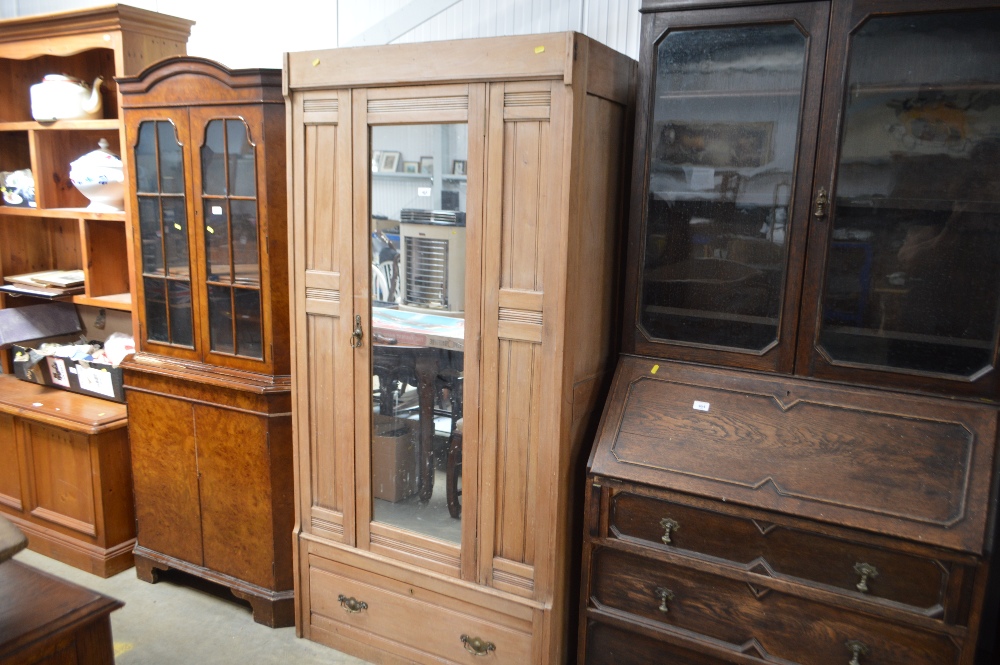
(62, 475)
(525, 165)
(323, 252)
(324, 416)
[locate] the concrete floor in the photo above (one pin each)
(181, 620)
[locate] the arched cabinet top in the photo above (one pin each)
(195, 81)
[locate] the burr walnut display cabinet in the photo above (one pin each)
(797, 461)
(209, 391)
(456, 208)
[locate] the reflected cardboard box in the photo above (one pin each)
(394, 458)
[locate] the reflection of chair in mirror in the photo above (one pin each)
(451, 381)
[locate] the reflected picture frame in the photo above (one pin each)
(376, 158)
(411, 167)
(427, 165)
(458, 167)
(389, 161)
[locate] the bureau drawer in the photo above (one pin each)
(754, 543)
(610, 645)
(739, 614)
(418, 620)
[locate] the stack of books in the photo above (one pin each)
(45, 284)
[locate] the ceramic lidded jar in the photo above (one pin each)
(99, 176)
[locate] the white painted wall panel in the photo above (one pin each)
(255, 33)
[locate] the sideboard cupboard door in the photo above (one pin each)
(721, 206)
(323, 305)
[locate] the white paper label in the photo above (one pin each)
(96, 381)
(216, 210)
(701, 406)
(702, 178)
(423, 191)
(57, 372)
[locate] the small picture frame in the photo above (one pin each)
(411, 167)
(427, 165)
(389, 161)
(458, 167)
(376, 158)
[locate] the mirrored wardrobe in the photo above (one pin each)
(454, 261)
(209, 389)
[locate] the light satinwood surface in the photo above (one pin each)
(544, 208)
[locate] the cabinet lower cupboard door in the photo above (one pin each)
(454, 246)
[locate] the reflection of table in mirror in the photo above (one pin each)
(426, 348)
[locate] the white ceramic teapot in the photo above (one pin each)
(61, 97)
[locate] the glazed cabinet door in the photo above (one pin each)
(720, 204)
(321, 285)
(164, 248)
(230, 236)
(417, 256)
(903, 285)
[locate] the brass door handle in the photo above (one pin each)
(857, 649)
(822, 201)
(352, 605)
(477, 646)
(664, 595)
(867, 572)
(668, 526)
(358, 332)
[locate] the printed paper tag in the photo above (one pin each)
(701, 406)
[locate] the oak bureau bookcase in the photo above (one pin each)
(456, 210)
(797, 461)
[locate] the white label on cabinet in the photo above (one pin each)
(423, 191)
(701, 406)
(702, 178)
(216, 210)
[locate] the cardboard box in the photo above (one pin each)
(394, 458)
(94, 379)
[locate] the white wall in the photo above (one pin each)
(254, 33)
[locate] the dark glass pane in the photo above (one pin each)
(213, 159)
(171, 159)
(241, 159)
(216, 240)
(145, 158)
(246, 259)
(150, 236)
(155, 292)
(181, 332)
(220, 318)
(722, 152)
(913, 273)
(175, 233)
(418, 334)
(249, 341)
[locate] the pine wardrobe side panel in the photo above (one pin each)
(522, 166)
(321, 238)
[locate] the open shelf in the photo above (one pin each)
(59, 125)
(119, 301)
(63, 213)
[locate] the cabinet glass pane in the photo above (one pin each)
(722, 148)
(913, 266)
(241, 160)
(220, 318)
(162, 210)
(246, 260)
(213, 159)
(417, 329)
(249, 340)
(217, 260)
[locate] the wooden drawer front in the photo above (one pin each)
(412, 617)
(738, 613)
(609, 645)
(764, 547)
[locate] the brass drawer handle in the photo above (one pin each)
(857, 649)
(664, 595)
(668, 526)
(352, 605)
(477, 646)
(867, 572)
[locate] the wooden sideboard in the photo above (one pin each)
(69, 486)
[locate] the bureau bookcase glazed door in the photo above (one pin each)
(905, 244)
(417, 257)
(729, 147)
